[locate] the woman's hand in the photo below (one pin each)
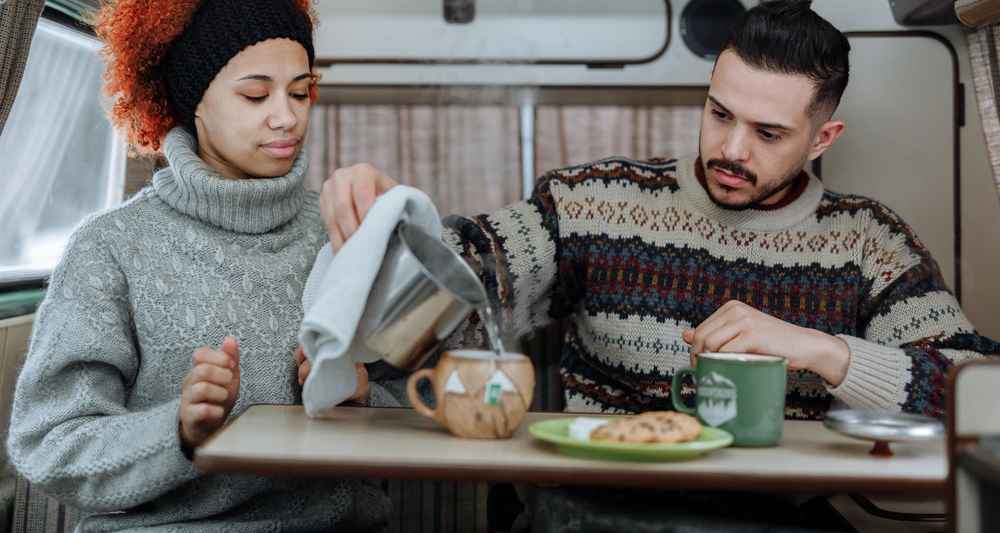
(361, 393)
(304, 365)
(209, 392)
(347, 196)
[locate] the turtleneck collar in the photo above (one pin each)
(253, 205)
(774, 218)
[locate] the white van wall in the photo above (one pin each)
(912, 155)
(899, 143)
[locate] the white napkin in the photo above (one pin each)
(336, 294)
(581, 428)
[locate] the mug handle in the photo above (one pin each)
(415, 399)
(675, 392)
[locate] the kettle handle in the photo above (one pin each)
(415, 399)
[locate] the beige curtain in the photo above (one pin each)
(570, 135)
(468, 159)
(17, 26)
(984, 51)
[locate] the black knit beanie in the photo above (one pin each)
(220, 30)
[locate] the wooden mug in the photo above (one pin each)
(477, 394)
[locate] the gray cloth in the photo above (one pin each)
(340, 289)
(183, 264)
(18, 19)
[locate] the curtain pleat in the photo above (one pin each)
(984, 54)
(18, 19)
(466, 158)
(572, 135)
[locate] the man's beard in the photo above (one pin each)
(759, 196)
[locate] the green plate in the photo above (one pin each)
(557, 432)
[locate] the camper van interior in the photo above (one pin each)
(471, 106)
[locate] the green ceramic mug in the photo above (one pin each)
(743, 394)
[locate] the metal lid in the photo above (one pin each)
(883, 425)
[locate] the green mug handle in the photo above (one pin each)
(675, 391)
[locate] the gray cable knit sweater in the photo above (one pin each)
(184, 263)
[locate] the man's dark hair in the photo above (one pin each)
(788, 37)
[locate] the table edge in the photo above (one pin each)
(559, 476)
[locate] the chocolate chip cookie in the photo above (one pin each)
(650, 427)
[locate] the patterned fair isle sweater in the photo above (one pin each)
(184, 263)
(633, 253)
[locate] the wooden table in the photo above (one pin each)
(381, 443)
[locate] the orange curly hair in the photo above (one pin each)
(136, 36)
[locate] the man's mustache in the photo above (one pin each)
(733, 168)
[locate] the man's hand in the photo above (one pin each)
(209, 392)
(361, 393)
(346, 198)
(737, 327)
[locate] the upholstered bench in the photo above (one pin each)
(22, 509)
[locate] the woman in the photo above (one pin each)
(177, 310)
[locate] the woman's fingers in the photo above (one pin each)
(205, 392)
(347, 197)
(304, 371)
(334, 198)
(303, 364)
(384, 184)
(343, 214)
(231, 347)
(200, 420)
(211, 374)
(209, 391)
(336, 239)
(206, 355)
(205, 412)
(362, 391)
(364, 195)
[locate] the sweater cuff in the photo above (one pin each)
(876, 376)
(156, 468)
(176, 455)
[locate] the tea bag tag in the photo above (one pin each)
(498, 384)
(454, 384)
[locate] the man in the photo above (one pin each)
(740, 250)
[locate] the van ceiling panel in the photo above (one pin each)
(502, 31)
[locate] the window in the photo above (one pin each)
(62, 160)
